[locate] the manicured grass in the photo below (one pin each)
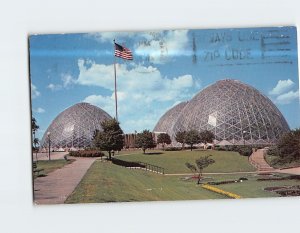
(106, 182)
(52, 165)
(174, 161)
(273, 161)
(253, 188)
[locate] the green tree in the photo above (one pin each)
(192, 167)
(164, 138)
(111, 138)
(289, 145)
(201, 163)
(145, 140)
(192, 137)
(206, 136)
(34, 126)
(180, 137)
(35, 141)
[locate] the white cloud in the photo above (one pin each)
(144, 94)
(34, 92)
(54, 87)
(67, 80)
(281, 87)
(288, 97)
(110, 36)
(39, 110)
(161, 46)
(156, 46)
(137, 82)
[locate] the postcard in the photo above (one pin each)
(165, 115)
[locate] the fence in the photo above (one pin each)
(146, 166)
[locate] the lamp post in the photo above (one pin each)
(49, 144)
(244, 132)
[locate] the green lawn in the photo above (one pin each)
(106, 182)
(174, 161)
(51, 165)
(253, 188)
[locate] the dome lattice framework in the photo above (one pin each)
(235, 112)
(75, 126)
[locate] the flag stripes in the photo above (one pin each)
(123, 52)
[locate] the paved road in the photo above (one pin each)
(59, 184)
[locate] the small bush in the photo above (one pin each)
(86, 153)
(173, 149)
(244, 150)
(241, 149)
(227, 181)
(273, 151)
(243, 178)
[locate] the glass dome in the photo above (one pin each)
(75, 126)
(235, 112)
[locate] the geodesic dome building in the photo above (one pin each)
(235, 112)
(168, 120)
(75, 126)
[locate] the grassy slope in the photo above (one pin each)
(174, 161)
(52, 165)
(106, 182)
(272, 161)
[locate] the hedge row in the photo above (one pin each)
(173, 148)
(243, 150)
(227, 181)
(127, 163)
(86, 153)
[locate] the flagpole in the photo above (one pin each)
(116, 97)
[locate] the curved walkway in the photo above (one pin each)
(59, 184)
(257, 159)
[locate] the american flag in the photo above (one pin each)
(123, 52)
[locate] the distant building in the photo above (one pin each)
(235, 112)
(74, 127)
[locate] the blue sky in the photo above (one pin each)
(168, 67)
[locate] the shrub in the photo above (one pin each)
(273, 151)
(127, 163)
(241, 149)
(244, 150)
(86, 153)
(173, 149)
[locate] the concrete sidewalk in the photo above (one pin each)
(257, 159)
(59, 184)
